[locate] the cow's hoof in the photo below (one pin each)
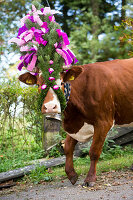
(74, 179)
(88, 184)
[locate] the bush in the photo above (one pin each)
(20, 121)
(109, 152)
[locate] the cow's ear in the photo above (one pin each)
(28, 78)
(72, 74)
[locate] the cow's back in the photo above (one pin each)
(105, 89)
(123, 91)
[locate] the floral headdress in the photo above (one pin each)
(44, 45)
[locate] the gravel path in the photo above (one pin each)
(110, 186)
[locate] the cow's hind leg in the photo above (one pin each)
(100, 132)
(69, 148)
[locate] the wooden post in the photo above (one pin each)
(51, 128)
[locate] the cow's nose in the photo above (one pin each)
(49, 108)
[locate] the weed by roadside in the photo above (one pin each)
(10, 160)
(37, 175)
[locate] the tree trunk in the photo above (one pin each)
(65, 16)
(95, 11)
(95, 26)
(123, 12)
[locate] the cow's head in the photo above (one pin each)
(51, 105)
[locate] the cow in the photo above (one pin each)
(101, 96)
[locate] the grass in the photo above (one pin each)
(82, 166)
(114, 158)
(117, 162)
(12, 159)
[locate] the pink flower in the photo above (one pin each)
(51, 18)
(45, 28)
(55, 45)
(55, 87)
(51, 62)
(51, 70)
(51, 78)
(43, 87)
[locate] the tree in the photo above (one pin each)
(126, 33)
(10, 14)
(94, 38)
(88, 23)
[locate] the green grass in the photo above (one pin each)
(119, 163)
(82, 166)
(114, 158)
(12, 159)
(121, 160)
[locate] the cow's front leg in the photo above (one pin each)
(100, 131)
(69, 149)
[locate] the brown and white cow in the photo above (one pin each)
(101, 96)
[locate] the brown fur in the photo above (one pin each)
(102, 93)
(28, 78)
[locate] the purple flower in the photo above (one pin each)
(31, 19)
(44, 42)
(72, 56)
(64, 36)
(28, 59)
(32, 49)
(45, 26)
(42, 9)
(20, 65)
(21, 30)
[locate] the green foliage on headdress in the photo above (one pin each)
(47, 53)
(59, 93)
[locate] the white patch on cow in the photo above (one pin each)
(87, 132)
(84, 134)
(53, 103)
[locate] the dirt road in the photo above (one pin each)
(110, 186)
